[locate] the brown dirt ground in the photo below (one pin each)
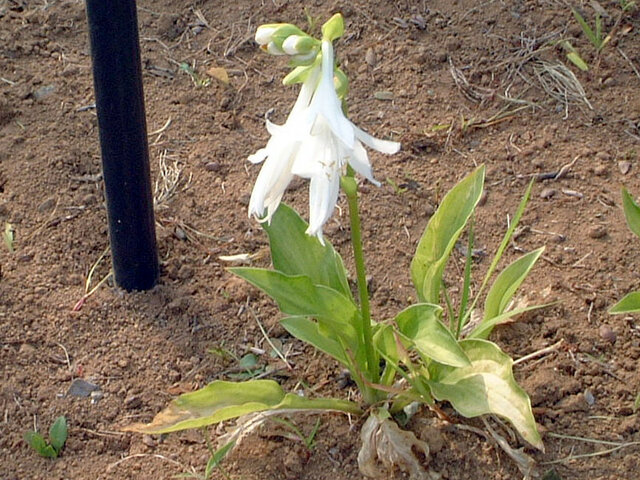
(144, 348)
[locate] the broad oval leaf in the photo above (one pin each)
(441, 234)
(507, 283)
(298, 296)
(58, 433)
(631, 212)
(422, 325)
(486, 386)
(293, 252)
(309, 331)
(221, 400)
(38, 443)
(629, 304)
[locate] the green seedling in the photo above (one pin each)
(397, 189)
(198, 80)
(574, 57)
(594, 36)
(9, 236)
(251, 366)
(308, 440)
(627, 5)
(214, 462)
(631, 302)
(57, 438)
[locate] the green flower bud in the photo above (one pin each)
(273, 49)
(341, 83)
(264, 33)
(299, 45)
(333, 28)
(284, 31)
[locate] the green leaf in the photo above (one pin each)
(217, 457)
(507, 283)
(222, 400)
(483, 330)
(293, 252)
(629, 304)
(575, 58)
(35, 441)
(248, 361)
(422, 325)
(58, 433)
(486, 386)
(298, 296)
(631, 212)
(586, 29)
(441, 234)
(309, 331)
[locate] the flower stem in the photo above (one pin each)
(373, 368)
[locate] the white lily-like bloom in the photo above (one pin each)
(315, 142)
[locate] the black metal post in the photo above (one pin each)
(113, 32)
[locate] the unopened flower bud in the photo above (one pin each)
(299, 44)
(264, 33)
(273, 49)
(341, 83)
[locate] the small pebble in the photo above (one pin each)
(483, 198)
(149, 441)
(44, 92)
(180, 234)
(82, 388)
(547, 193)
(624, 166)
(212, 167)
(132, 402)
(48, 204)
(606, 333)
(601, 170)
(96, 396)
(598, 231)
(588, 396)
(370, 57)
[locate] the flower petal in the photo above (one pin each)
(359, 160)
(383, 146)
(259, 156)
(325, 101)
(323, 195)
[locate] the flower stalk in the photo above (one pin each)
(350, 187)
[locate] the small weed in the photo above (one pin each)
(309, 440)
(214, 461)
(594, 36)
(198, 80)
(9, 236)
(57, 438)
(627, 5)
(397, 189)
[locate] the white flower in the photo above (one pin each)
(315, 142)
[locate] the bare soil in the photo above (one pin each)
(458, 82)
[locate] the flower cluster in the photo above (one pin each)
(317, 140)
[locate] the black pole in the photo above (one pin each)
(117, 76)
